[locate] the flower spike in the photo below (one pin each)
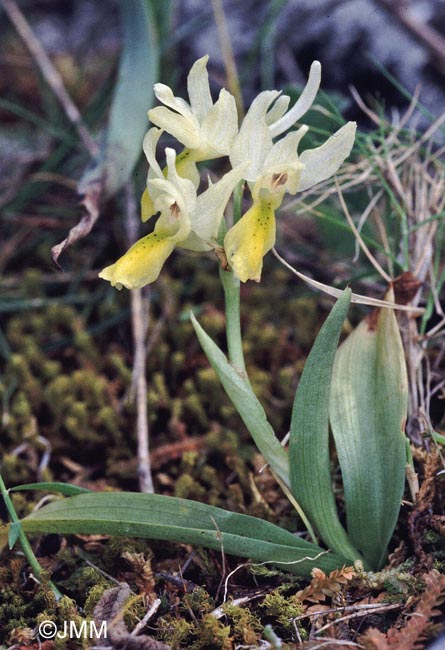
(209, 130)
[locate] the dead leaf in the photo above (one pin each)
(111, 608)
(90, 202)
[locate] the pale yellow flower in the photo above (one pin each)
(275, 168)
(206, 129)
(186, 220)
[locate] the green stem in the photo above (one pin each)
(231, 286)
(26, 546)
(237, 201)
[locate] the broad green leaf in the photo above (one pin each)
(62, 488)
(309, 462)
(368, 408)
(247, 405)
(154, 516)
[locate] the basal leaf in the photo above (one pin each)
(154, 516)
(309, 462)
(368, 408)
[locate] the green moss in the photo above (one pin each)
(15, 470)
(51, 369)
(117, 363)
(106, 417)
(195, 409)
(31, 283)
(85, 344)
(187, 488)
(93, 597)
(178, 359)
(20, 406)
(212, 633)
(19, 609)
(304, 315)
(198, 601)
(246, 626)
(286, 382)
(223, 440)
(283, 608)
(112, 551)
(134, 609)
(19, 373)
(175, 631)
(213, 321)
(82, 579)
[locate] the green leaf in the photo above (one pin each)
(438, 437)
(368, 409)
(154, 516)
(138, 69)
(14, 532)
(247, 405)
(309, 466)
(62, 488)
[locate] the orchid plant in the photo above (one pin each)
(361, 387)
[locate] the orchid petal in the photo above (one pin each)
(286, 148)
(174, 197)
(303, 103)
(324, 161)
(219, 127)
(211, 204)
(275, 182)
(249, 240)
(165, 95)
(148, 209)
(184, 129)
(141, 264)
(186, 166)
(252, 146)
(277, 110)
(254, 141)
(149, 145)
(198, 88)
(281, 169)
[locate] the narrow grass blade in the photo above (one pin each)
(154, 516)
(368, 408)
(247, 405)
(309, 463)
(53, 486)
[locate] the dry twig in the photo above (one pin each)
(139, 319)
